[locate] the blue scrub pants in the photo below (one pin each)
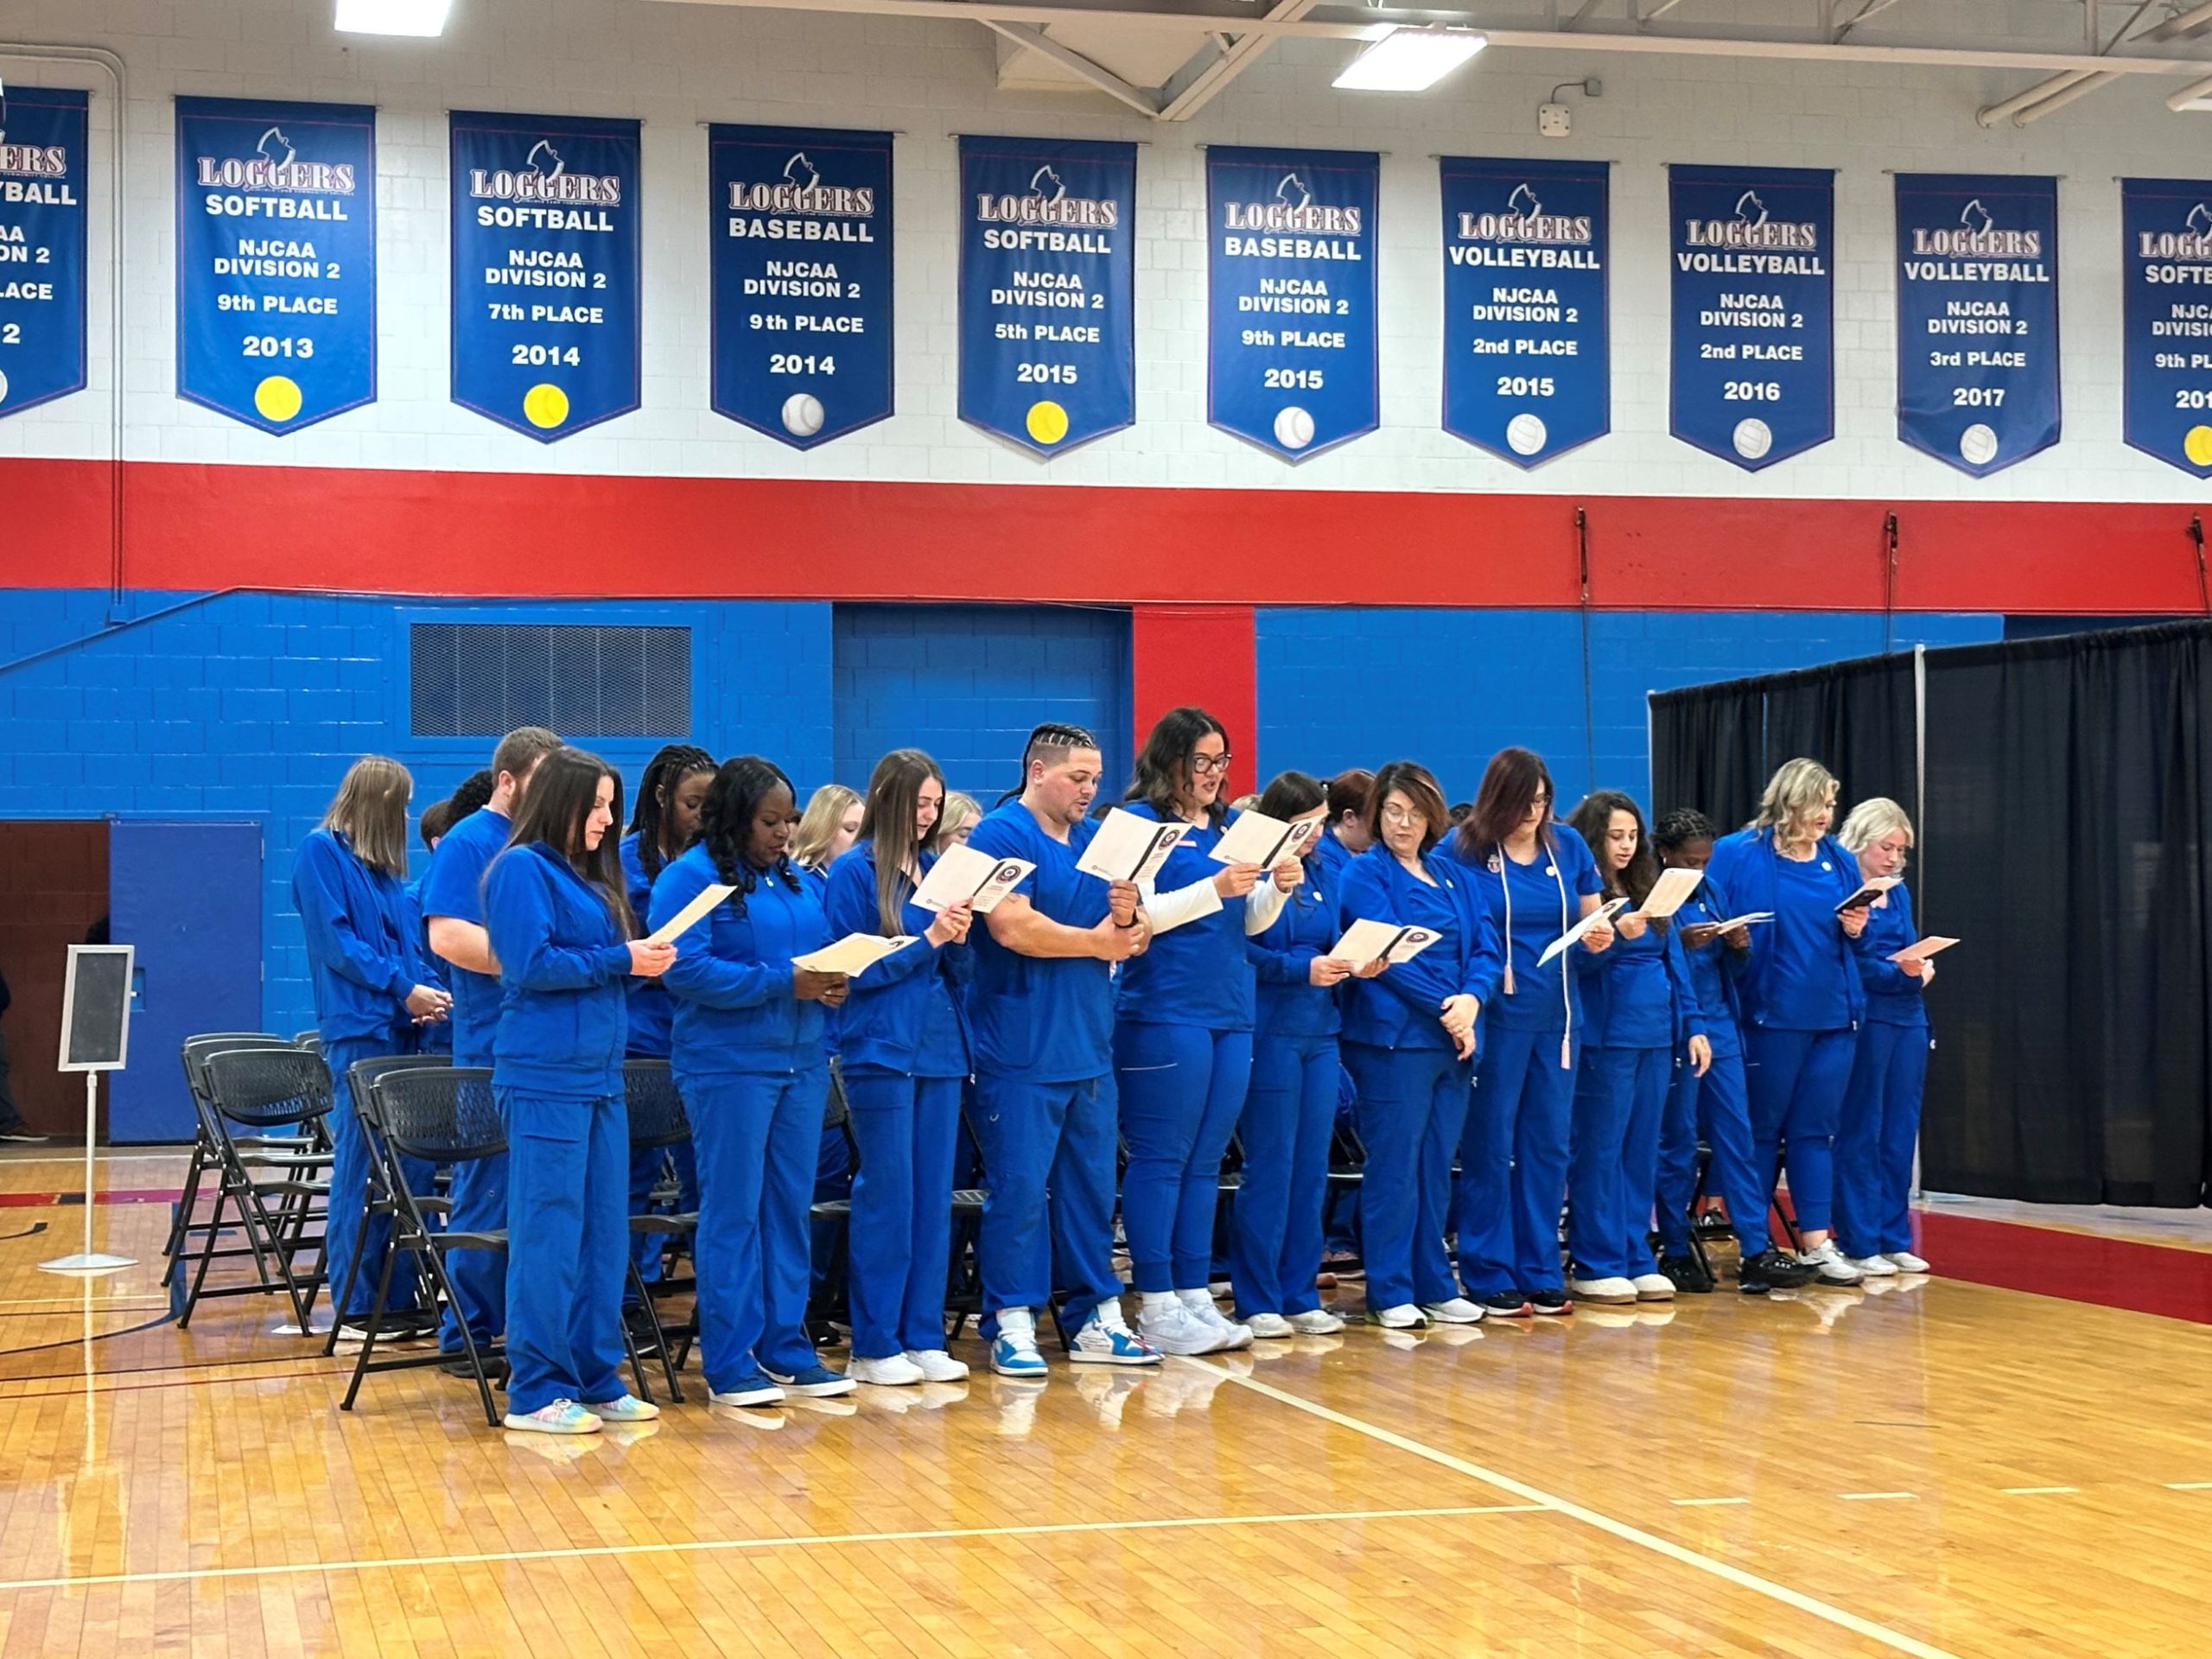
(758, 1135)
(1275, 1223)
(1620, 1097)
(1039, 1138)
(1711, 1109)
(901, 1226)
(349, 1189)
(1513, 1165)
(1182, 1088)
(1412, 1104)
(1796, 1081)
(567, 1179)
(1875, 1138)
(480, 1196)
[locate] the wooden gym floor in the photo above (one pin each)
(1938, 1467)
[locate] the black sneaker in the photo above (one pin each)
(20, 1136)
(1505, 1305)
(1771, 1269)
(1687, 1273)
(454, 1365)
(1550, 1303)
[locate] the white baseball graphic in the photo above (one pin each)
(3, 388)
(802, 414)
(1293, 428)
(1525, 434)
(1978, 445)
(1753, 438)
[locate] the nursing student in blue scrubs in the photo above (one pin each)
(1041, 1012)
(453, 904)
(750, 1056)
(666, 817)
(1714, 1108)
(1344, 839)
(1641, 1014)
(1536, 878)
(560, 929)
(1409, 1039)
(905, 1056)
(1800, 992)
(437, 817)
(374, 994)
(1879, 1128)
(1183, 1033)
(1290, 1110)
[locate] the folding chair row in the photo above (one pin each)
(206, 1155)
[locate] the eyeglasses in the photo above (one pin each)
(1393, 813)
(1205, 765)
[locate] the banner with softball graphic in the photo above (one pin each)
(1753, 281)
(1977, 317)
(1527, 366)
(800, 229)
(545, 269)
(1047, 290)
(2166, 269)
(276, 259)
(1290, 261)
(41, 245)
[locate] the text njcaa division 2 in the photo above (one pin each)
(41, 245)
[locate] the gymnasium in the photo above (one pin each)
(1105, 827)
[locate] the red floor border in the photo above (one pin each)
(2124, 1272)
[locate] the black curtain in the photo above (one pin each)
(1708, 750)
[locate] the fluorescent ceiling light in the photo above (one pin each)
(1411, 60)
(421, 17)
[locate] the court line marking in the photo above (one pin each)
(1606, 1523)
(1867, 1497)
(1705, 1503)
(711, 1546)
(2034, 1491)
(2188, 1485)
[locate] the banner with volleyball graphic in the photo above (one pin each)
(545, 269)
(800, 227)
(2166, 276)
(1290, 264)
(276, 259)
(1047, 290)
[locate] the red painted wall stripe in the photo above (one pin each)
(195, 527)
(1201, 654)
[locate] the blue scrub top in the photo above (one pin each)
(362, 936)
(1197, 974)
(454, 888)
(731, 981)
(1401, 1007)
(902, 1014)
(1289, 1003)
(651, 1012)
(1636, 992)
(1710, 968)
(562, 963)
(1547, 899)
(1805, 988)
(1894, 997)
(1042, 1019)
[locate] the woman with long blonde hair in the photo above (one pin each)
(828, 827)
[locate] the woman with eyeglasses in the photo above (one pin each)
(1536, 878)
(1183, 1033)
(1408, 1038)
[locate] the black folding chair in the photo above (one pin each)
(205, 1157)
(379, 1199)
(1347, 1169)
(656, 1119)
(263, 1089)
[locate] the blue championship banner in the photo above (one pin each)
(1977, 317)
(2166, 350)
(1047, 290)
(800, 223)
(1527, 364)
(545, 277)
(41, 245)
(276, 259)
(1754, 310)
(1290, 275)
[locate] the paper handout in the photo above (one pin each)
(963, 873)
(853, 955)
(1745, 921)
(692, 914)
(1364, 942)
(1870, 892)
(1255, 838)
(1668, 893)
(1128, 848)
(1605, 913)
(1921, 949)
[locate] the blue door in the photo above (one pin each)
(187, 894)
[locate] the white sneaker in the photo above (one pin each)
(1874, 1267)
(562, 1417)
(1404, 1317)
(1454, 1310)
(1106, 1339)
(1604, 1292)
(1171, 1328)
(893, 1371)
(1270, 1325)
(1828, 1266)
(1906, 1262)
(1314, 1322)
(1653, 1288)
(1200, 1302)
(936, 1366)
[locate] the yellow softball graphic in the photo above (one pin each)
(544, 406)
(277, 397)
(1048, 422)
(2198, 446)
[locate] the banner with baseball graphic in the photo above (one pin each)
(1290, 271)
(276, 259)
(2166, 352)
(1047, 290)
(545, 269)
(1751, 252)
(1527, 364)
(41, 245)
(799, 224)
(1977, 317)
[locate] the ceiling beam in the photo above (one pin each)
(2060, 90)
(1036, 39)
(1181, 103)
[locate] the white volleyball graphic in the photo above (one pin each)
(1293, 428)
(1753, 438)
(1978, 445)
(3, 388)
(1525, 434)
(802, 414)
